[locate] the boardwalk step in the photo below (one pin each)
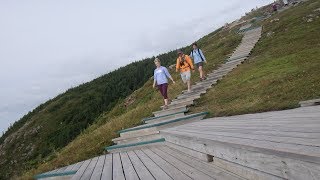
(54, 174)
(147, 128)
(193, 97)
(271, 145)
(167, 116)
(170, 111)
(125, 147)
(179, 103)
(312, 102)
(137, 138)
(191, 152)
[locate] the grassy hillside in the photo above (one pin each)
(283, 69)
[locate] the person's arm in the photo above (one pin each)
(154, 80)
(177, 65)
(168, 74)
(190, 62)
(204, 58)
(191, 54)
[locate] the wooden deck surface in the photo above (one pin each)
(156, 162)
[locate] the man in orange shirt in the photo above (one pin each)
(184, 65)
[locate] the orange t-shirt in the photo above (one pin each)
(184, 66)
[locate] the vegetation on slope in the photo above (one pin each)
(283, 69)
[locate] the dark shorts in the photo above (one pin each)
(163, 88)
(199, 64)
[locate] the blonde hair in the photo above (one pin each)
(157, 60)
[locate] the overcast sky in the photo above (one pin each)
(47, 46)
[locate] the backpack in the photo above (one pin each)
(183, 61)
(199, 54)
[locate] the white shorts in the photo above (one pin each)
(185, 76)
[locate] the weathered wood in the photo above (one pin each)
(178, 114)
(138, 132)
(97, 172)
(185, 168)
(132, 146)
(69, 168)
(140, 168)
(128, 168)
(81, 170)
(117, 170)
(243, 171)
(170, 111)
(276, 139)
(137, 139)
(305, 128)
(193, 153)
(301, 152)
(77, 166)
(312, 102)
(271, 132)
(268, 162)
(205, 167)
(61, 169)
(172, 171)
(89, 170)
(107, 172)
(154, 169)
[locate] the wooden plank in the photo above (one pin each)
(117, 167)
(107, 172)
(306, 129)
(154, 169)
(264, 161)
(97, 172)
(205, 167)
(69, 168)
(81, 170)
(140, 168)
(266, 120)
(259, 132)
(311, 154)
(278, 139)
(185, 168)
(88, 172)
(172, 171)
(61, 169)
(191, 152)
(129, 171)
(77, 166)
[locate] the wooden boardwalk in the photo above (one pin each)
(157, 162)
(281, 144)
(271, 145)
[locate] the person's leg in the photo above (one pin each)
(165, 94)
(188, 77)
(183, 77)
(189, 85)
(200, 71)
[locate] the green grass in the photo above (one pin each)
(283, 70)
